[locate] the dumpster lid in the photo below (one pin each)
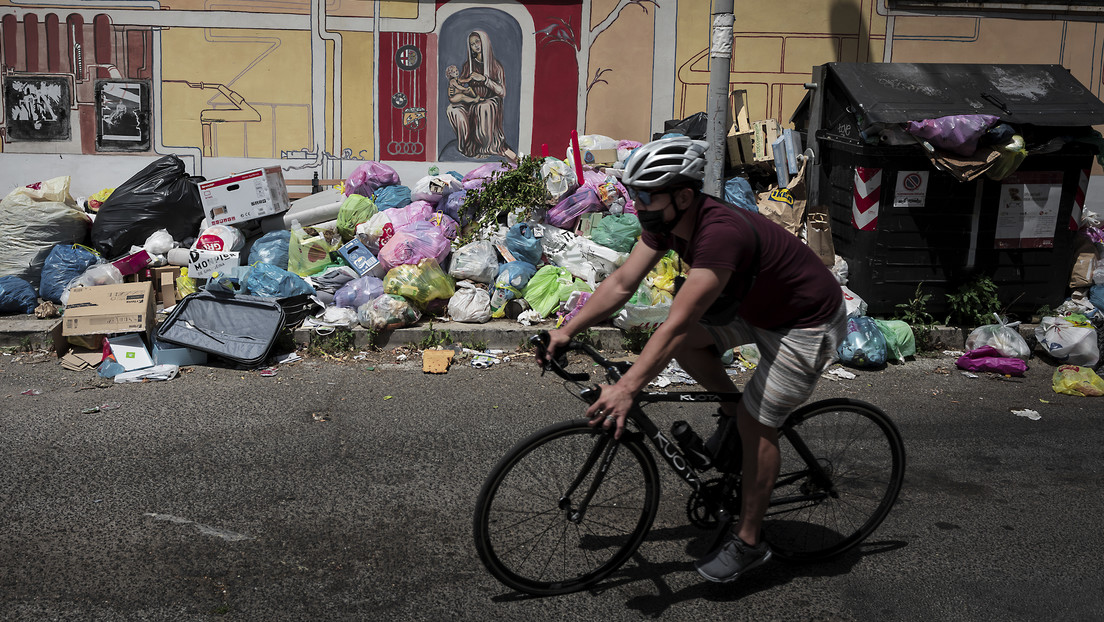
(1045, 95)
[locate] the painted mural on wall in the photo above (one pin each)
(323, 84)
(480, 50)
(36, 108)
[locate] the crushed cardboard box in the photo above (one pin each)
(437, 361)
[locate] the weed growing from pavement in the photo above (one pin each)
(915, 314)
(434, 338)
(633, 339)
(589, 337)
(477, 345)
(339, 342)
(974, 302)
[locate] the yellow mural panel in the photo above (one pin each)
(357, 107)
(403, 9)
(622, 100)
(207, 69)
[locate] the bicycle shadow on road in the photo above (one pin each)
(767, 577)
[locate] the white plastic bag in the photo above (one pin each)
(159, 242)
(477, 261)
(638, 316)
(1002, 336)
(856, 307)
(96, 274)
(377, 226)
(839, 270)
(558, 178)
(433, 188)
(470, 304)
(1073, 343)
(581, 257)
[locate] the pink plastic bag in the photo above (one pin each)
(568, 210)
(482, 174)
(957, 133)
(988, 358)
(401, 217)
(447, 225)
(413, 243)
(368, 177)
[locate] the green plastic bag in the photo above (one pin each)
(550, 286)
(419, 282)
(618, 232)
(900, 341)
(309, 249)
(354, 211)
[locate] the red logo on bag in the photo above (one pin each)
(210, 242)
(388, 231)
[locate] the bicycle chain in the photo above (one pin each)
(696, 510)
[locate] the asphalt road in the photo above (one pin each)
(338, 492)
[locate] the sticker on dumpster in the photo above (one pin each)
(1027, 211)
(911, 190)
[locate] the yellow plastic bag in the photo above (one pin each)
(419, 282)
(185, 284)
(662, 276)
(98, 199)
(1079, 381)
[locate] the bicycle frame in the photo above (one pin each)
(606, 450)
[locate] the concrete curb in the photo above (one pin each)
(29, 332)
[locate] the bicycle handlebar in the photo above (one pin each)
(613, 368)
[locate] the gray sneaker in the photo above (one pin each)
(732, 559)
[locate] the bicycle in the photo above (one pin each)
(567, 506)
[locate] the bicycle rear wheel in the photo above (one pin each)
(531, 536)
(860, 451)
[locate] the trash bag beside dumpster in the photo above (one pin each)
(160, 196)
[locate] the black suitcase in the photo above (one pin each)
(240, 329)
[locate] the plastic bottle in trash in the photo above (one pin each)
(498, 299)
(691, 444)
(297, 229)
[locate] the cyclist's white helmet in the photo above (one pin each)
(666, 162)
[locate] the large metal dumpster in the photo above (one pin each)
(900, 221)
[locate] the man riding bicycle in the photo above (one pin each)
(750, 281)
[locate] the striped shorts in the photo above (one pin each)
(791, 361)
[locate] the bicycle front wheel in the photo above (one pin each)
(818, 513)
(535, 536)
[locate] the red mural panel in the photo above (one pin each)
(556, 85)
(404, 96)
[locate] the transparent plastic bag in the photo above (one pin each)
(864, 345)
(387, 312)
(477, 261)
(1002, 336)
(1077, 380)
(96, 274)
(414, 243)
(421, 282)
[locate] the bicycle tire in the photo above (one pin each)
(861, 450)
(522, 533)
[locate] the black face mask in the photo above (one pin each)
(652, 221)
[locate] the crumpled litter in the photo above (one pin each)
(842, 373)
(530, 317)
(157, 372)
(673, 374)
(483, 361)
(1027, 412)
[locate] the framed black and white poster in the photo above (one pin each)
(36, 108)
(122, 115)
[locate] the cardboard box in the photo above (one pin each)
(107, 309)
(130, 351)
(172, 354)
(203, 264)
(765, 133)
(739, 111)
(244, 196)
(359, 257)
(599, 157)
(741, 152)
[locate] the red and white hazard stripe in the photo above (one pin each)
(1079, 200)
(866, 198)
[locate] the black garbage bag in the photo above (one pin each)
(160, 196)
(693, 126)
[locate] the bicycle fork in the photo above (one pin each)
(602, 455)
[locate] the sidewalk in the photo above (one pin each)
(27, 331)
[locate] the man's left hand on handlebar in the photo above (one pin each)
(611, 409)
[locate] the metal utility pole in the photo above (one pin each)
(720, 62)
